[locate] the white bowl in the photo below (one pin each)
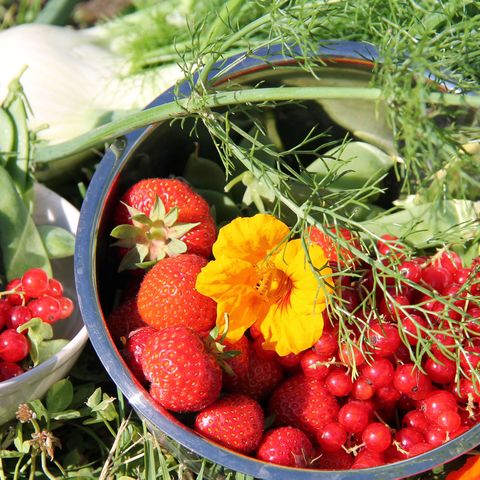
(50, 209)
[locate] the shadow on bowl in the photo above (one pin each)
(162, 150)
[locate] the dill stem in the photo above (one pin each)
(200, 105)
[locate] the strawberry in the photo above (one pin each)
(133, 349)
(234, 421)
(167, 295)
(263, 375)
(124, 319)
(237, 366)
(162, 217)
(303, 402)
(185, 376)
(287, 446)
(335, 253)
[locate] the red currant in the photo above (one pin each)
(353, 416)
(332, 437)
(383, 338)
(35, 282)
(410, 381)
(13, 346)
(377, 437)
(339, 382)
(379, 372)
(326, 345)
(9, 370)
(47, 308)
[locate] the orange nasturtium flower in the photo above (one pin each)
(259, 278)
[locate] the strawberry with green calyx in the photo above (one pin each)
(168, 297)
(162, 217)
(234, 421)
(184, 375)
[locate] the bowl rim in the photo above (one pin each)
(344, 52)
(76, 343)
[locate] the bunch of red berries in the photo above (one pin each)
(34, 295)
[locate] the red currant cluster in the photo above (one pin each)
(34, 295)
(416, 361)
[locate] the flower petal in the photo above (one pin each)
(250, 239)
(243, 307)
(220, 276)
(296, 323)
(286, 331)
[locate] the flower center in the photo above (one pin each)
(273, 284)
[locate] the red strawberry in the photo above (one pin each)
(237, 366)
(124, 319)
(287, 446)
(303, 402)
(159, 217)
(168, 297)
(332, 249)
(234, 421)
(264, 374)
(133, 349)
(185, 376)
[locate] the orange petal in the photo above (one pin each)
(218, 277)
(243, 307)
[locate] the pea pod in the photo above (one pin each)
(18, 165)
(20, 243)
(7, 135)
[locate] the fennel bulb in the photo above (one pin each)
(72, 82)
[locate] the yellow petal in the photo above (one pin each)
(250, 238)
(219, 276)
(243, 307)
(286, 331)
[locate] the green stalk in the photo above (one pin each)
(189, 106)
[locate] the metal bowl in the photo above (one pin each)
(161, 150)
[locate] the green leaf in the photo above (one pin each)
(39, 409)
(59, 396)
(429, 224)
(356, 163)
(10, 454)
(59, 242)
(49, 348)
(224, 208)
(366, 119)
(66, 415)
(202, 173)
(20, 243)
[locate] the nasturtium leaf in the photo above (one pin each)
(204, 173)
(59, 242)
(365, 119)
(355, 163)
(429, 224)
(59, 395)
(20, 243)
